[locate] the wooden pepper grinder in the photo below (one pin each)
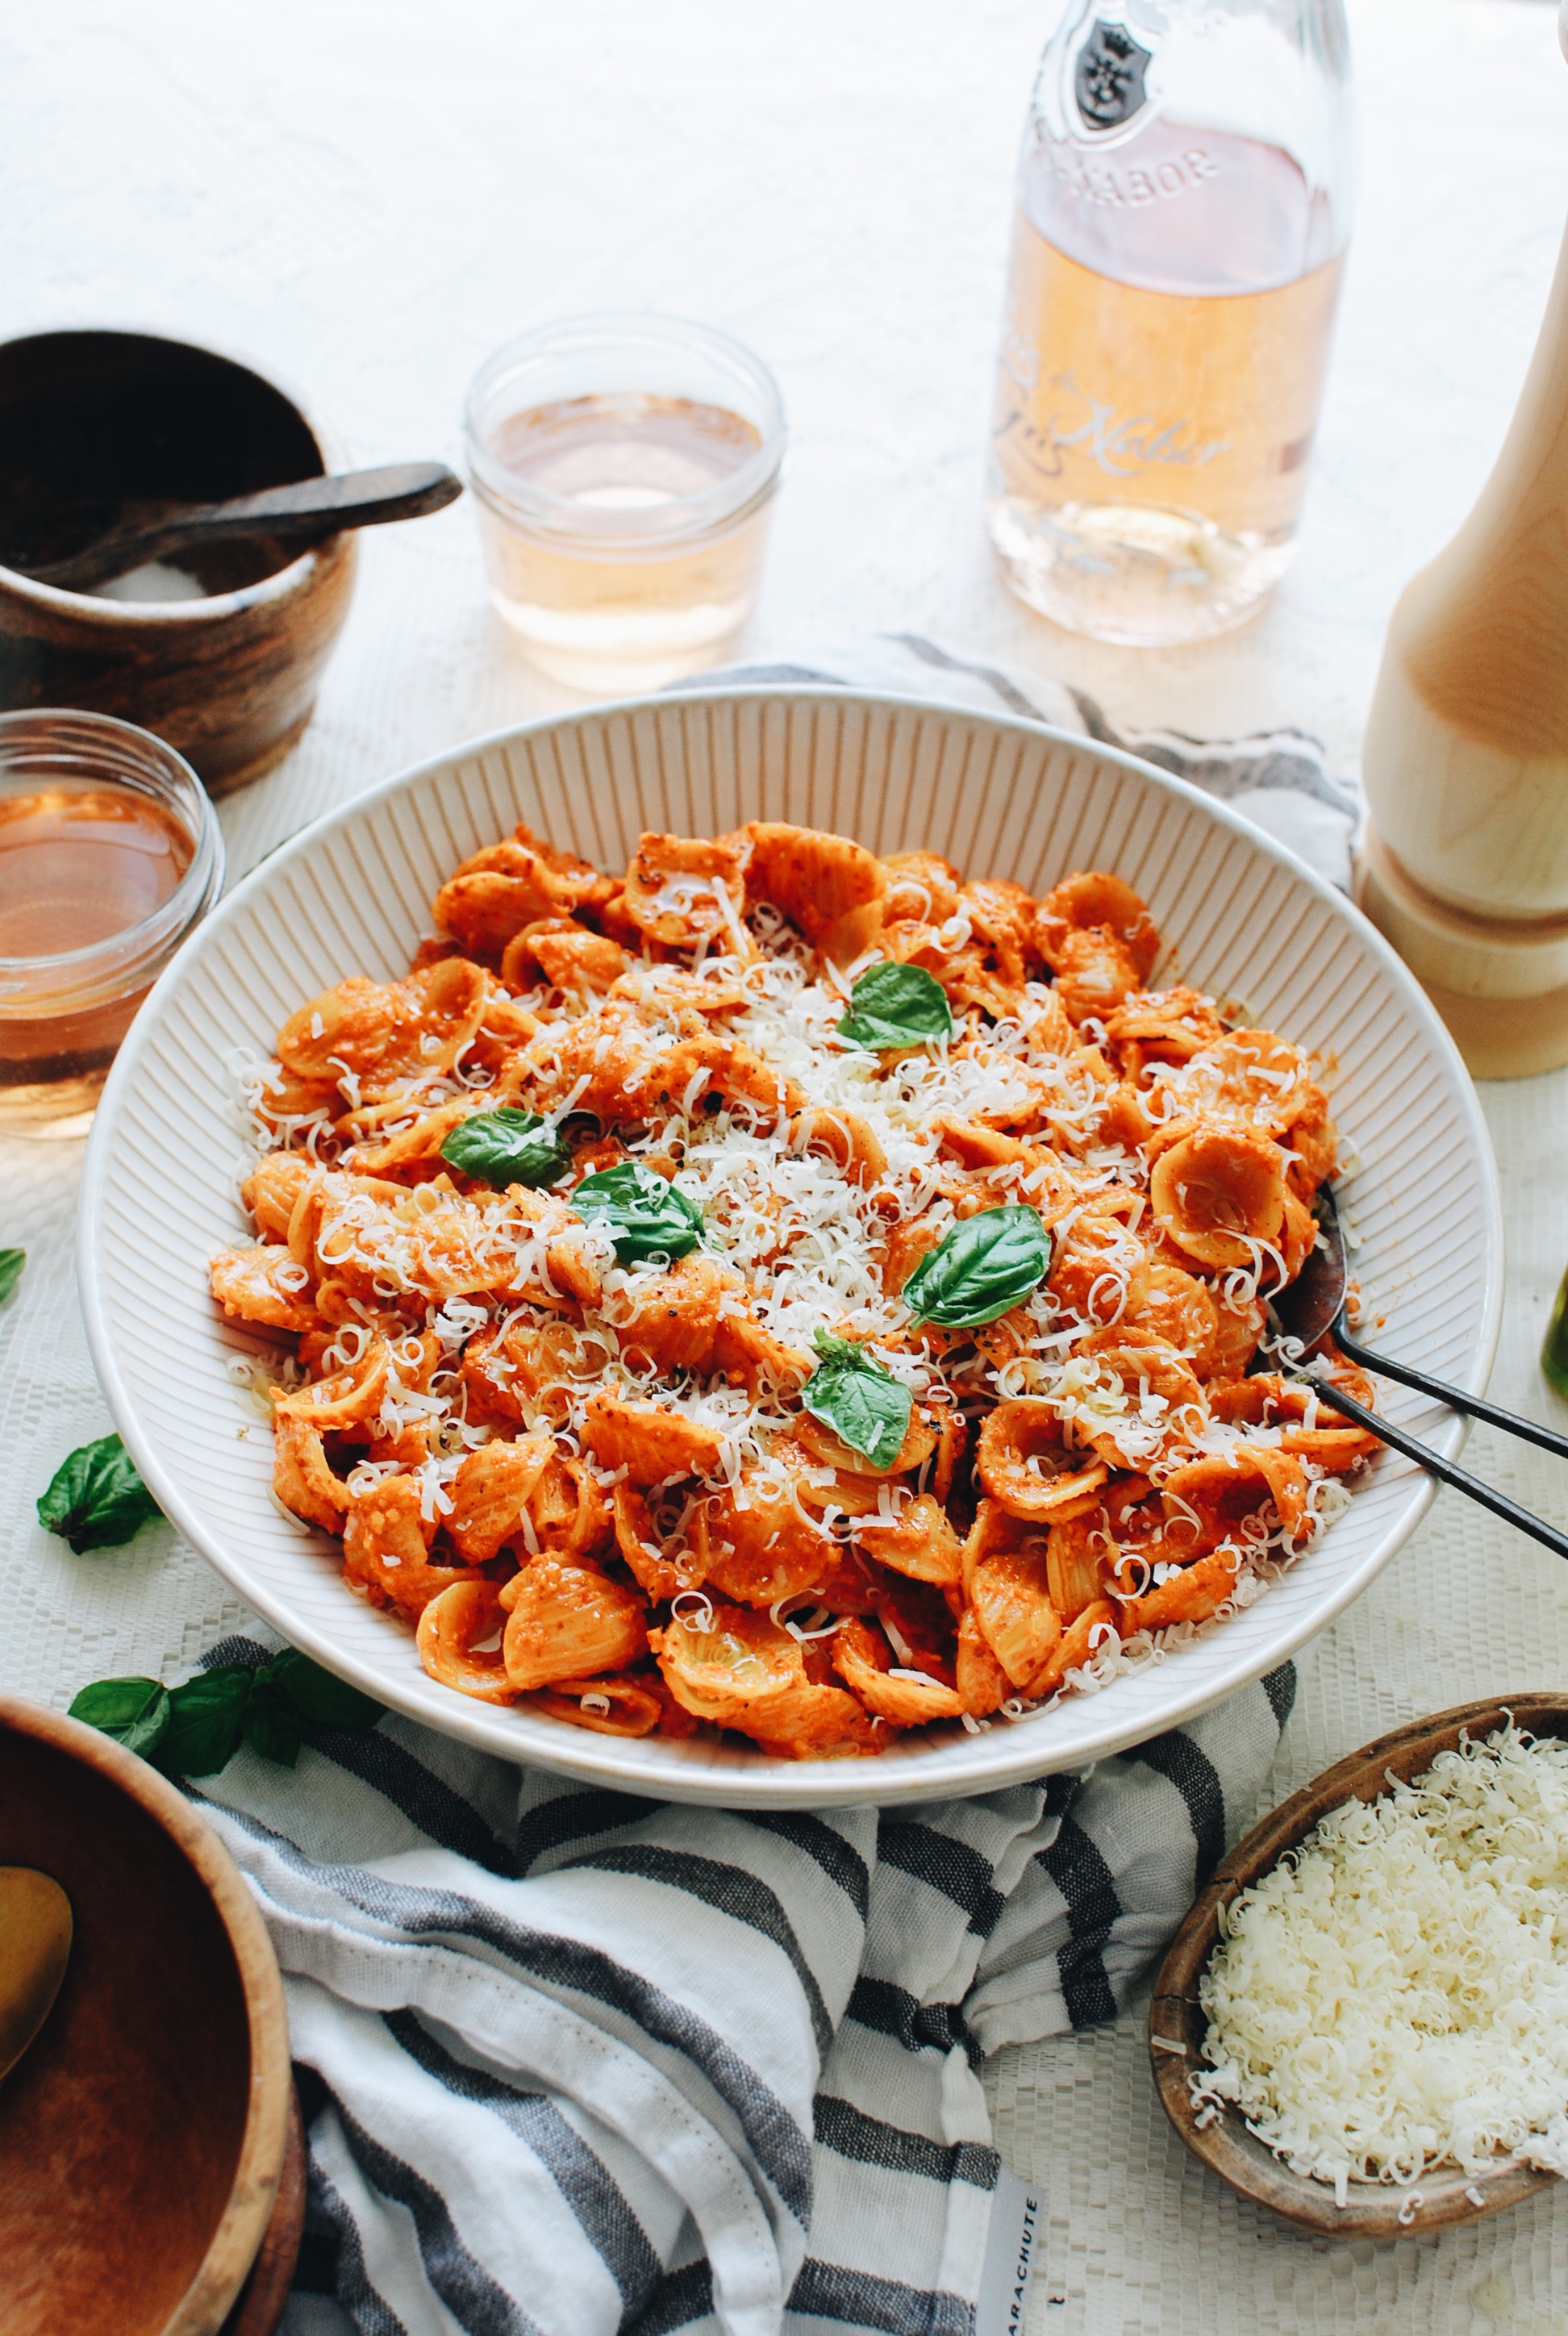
(1465, 861)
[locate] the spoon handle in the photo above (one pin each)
(307, 510)
(1444, 1470)
(342, 498)
(1473, 1405)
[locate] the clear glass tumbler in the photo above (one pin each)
(622, 469)
(1183, 205)
(110, 854)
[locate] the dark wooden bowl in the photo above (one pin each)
(97, 426)
(266, 2291)
(142, 2137)
(1375, 2210)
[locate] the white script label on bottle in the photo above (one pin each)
(1122, 444)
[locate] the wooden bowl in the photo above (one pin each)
(265, 2294)
(1375, 2210)
(142, 2137)
(96, 426)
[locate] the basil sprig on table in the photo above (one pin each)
(196, 1728)
(981, 1268)
(893, 1005)
(646, 1216)
(95, 1499)
(507, 1147)
(134, 1712)
(859, 1399)
(12, 1261)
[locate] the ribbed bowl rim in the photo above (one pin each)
(1069, 1734)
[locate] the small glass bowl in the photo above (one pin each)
(63, 1015)
(625, 585)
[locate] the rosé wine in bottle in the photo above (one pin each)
(1182, 208)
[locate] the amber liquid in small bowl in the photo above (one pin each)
(100, 826)
(77, 866)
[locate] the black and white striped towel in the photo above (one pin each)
(575, 2063)
(1275, 777)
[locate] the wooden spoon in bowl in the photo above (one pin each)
(36, 1929)
(305, 512)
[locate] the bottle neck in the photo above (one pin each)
(1177, 147)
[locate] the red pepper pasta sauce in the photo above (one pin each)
(783, 1291)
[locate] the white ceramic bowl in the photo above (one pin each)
(352, 894)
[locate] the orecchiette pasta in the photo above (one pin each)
(786, 1291)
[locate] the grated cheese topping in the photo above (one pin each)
(821, 1171)
(1393, 1996)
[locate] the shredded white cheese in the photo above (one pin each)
(1394, 1996)
(806, 1165)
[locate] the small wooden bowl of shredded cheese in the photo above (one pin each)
(1363, 2021)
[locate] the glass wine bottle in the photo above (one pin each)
(1183, 204)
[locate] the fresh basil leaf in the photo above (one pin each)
(208, 1720)
(507, 1147)
(897, 1006)
(12, 1261)
(272, 1723)
(96, 1500)
(647, 1217)
(317, 1696)
(981, 1268)
(860, 1399)
(196, 1728)
(134, 1712)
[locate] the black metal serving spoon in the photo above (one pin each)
(1314, 1306)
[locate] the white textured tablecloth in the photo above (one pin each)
(372, 194)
